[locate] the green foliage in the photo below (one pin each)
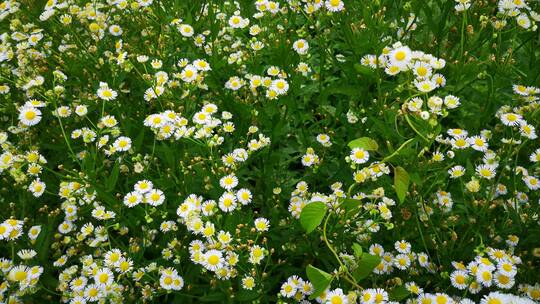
(365, 143)
(320, 280)
(265, 176)
(366, 264)
(312, 215)
(401, 183)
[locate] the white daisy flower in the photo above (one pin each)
(227, 202)
(29, 116)
(154, 197)
(122, 143)
(228, 182)
(213, 260)
(301, 46)
(106, 93)
(359, 155)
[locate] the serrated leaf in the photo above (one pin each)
(357, 250)
(365, 143)
(398, 293)
(401, 183)
(367, 263)
(312, 215)
(320, 280)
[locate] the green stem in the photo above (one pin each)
(397, 151)
(64, 134)
(348, 277)
(462, 41)
(414, 129)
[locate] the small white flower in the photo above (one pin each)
(301, 46)
(228, 182)
(261, 224)
(29, 116)
(154, 197)
(122, 143)
(105, 93)
(359, 155)
(334, 5)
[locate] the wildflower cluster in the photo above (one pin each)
(266, 151)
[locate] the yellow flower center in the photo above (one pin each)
(20, 276)
(400, 55)
(103, 278)
(30, 115)
(213, 260)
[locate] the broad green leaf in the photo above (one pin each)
(401, 183)
(365, 143)
(312, 215)
(357, 250)
(398, 293)
(349, 204)
(367, 263)
(320, 280)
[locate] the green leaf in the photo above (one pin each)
(137, 143)
(365, 143)
(247, 295)
(320, 280)
(398, 293)
(415, 178)
(312, 215)
(213, 297)
(401, 183)
(364, 70)
(349, 204)
(367, 263)
(113, 177)
(357, 250)
(330, 109)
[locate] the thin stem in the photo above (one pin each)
(398, 150)
(348, 276)
(414, 129)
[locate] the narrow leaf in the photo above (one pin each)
(113, 177)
